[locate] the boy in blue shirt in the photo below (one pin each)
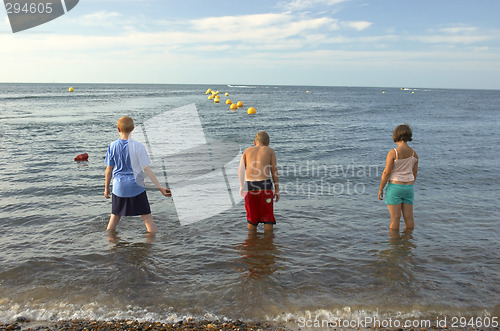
(127, 161)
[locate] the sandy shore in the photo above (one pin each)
(23, 324)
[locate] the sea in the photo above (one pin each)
(331, 256)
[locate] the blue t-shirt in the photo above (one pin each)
(128, 158)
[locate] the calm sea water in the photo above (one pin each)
(331, 255)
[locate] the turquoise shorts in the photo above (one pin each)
(396, 194)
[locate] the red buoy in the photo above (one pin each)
(82, 157)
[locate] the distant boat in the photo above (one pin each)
(241, 86)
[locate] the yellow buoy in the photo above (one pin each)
(208, 91)
(383, 92)
(227, 94)
(307, 91)
(412, 92)
(210, 97)
(71, 89)
(251, 110)
(233, 106)
(239, 104)
(228, 102)
(216, 99)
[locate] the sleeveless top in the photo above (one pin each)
(403, 168)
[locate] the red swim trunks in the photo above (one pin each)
(259, 206)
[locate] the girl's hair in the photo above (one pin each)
(126, 124)
(402, 132)
(262, 137)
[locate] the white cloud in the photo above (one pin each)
(459, 29)
(100, 19)
(212, 48)
(447, 39)
(270, 26)
(246, 22)
(359, 26)
(369, 59)
(261, 29)
(308, 4)
(481, 49)
(342, 59)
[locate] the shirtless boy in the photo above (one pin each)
(257, 166)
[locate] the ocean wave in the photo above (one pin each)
(341, 317)
(21, 97)
(40, 96)
(61, 311)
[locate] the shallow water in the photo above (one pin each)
(331, 253)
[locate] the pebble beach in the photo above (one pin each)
(76, 325)
(88, 325)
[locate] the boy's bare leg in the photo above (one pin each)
(113, 222)
(395, 211)
(408, 216)
(150, 237)
(268, 227)
(113, 237)
(252, 227)
(150, 224)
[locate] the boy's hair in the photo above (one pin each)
(402, 132)
(262, 137)
(125, 124)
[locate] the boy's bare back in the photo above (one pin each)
(260, 162)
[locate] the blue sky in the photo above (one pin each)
(385, 43)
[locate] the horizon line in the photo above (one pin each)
(244, 84)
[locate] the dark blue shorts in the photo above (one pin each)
(138, 205)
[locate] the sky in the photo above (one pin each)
(379, 43)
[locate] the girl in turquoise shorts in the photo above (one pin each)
(399, 174)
